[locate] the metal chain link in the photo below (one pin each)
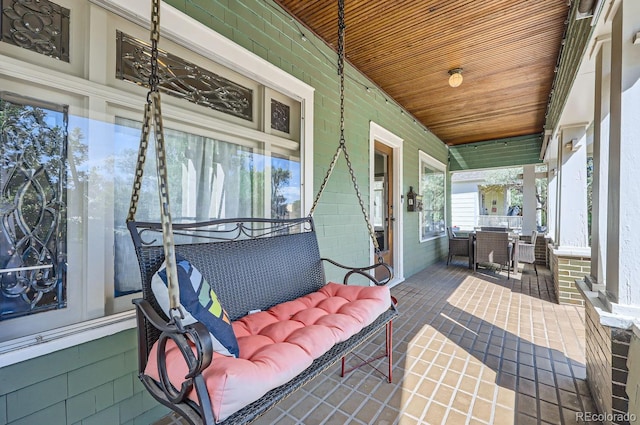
(154, 80)
(142, 156)
(342, 145)
(165, 211)
(152, 111)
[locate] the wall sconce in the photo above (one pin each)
(414, 201)
(573, 145)
(455, 77)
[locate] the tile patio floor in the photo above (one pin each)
(469, 348)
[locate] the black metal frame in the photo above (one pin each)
(282, 251)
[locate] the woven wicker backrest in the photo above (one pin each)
(246, 274)
(492, 247)
(256, 274)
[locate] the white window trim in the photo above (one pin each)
(429, 160)
(381, 134)
(204, 41)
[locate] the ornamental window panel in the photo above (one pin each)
(33, 139)
(181, 78)
(432, 189)
(280, 115)
(37, 25)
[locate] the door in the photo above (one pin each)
(383, 214)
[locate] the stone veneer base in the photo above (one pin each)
(607, 349)
(566, 268)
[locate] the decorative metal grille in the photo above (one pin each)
(37, 25)
(280, 114)
(32, 207)
(181, 79)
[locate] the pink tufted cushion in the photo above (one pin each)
(277, 344)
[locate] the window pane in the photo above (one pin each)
(32, 208)
(285, 188)
(208, 179)
(432, 218)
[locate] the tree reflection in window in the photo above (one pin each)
(33, 140)
(432, 189)
(208, 179)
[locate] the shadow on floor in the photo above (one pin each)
(470, 348)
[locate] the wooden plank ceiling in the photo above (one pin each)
(507, 48)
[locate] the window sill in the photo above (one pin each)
(431, 238)
(29, 347)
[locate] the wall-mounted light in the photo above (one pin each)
(455, 77)
(573, 145)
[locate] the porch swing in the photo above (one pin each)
(255, 268)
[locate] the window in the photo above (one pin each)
(432, 189)
(224, 162)
(33, 141)
(209, 178)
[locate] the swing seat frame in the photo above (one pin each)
(250, 263)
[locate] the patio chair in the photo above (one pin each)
(493, 247)
(527, 251)
(458, 245)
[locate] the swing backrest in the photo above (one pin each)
(251, 264)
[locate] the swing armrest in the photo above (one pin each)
(362, 271)
(193, 341)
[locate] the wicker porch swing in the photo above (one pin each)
(193, 339)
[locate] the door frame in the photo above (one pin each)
(384, 136)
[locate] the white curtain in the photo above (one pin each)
(208, 179)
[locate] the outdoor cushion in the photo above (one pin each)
(198, 302)
(279, 343)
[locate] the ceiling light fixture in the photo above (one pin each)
(455, 77)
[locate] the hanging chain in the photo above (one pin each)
(155, 38)
(142, 156)
(341, 55)
(342, 147)
(152, 111)
(148, 113)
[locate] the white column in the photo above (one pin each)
(552, 197)
(572, 200)
(600, 167)
(529, 200)
(623, 243)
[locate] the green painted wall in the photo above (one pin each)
(262, 28)
(95, 383)
(509, 152)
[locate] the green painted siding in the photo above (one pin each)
(93, 383)
(509, 152)
(577, 35)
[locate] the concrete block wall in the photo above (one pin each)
(95, 383)
(607, 350)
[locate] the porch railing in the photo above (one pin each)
(510, 221)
